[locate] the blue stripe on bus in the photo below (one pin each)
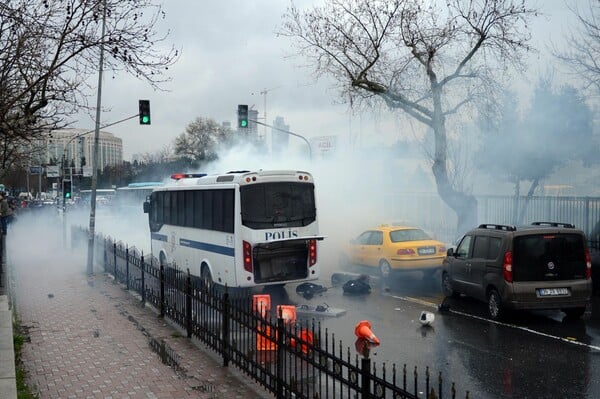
(197, 245)
(160, 237)
(207, 247)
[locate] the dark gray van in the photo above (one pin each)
(545, 265)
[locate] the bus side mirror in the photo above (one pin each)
(146, 207)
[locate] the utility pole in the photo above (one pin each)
(92, 228)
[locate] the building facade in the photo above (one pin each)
(76, 148)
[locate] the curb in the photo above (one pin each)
(8, 380)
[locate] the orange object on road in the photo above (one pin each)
(287, 313)
(363, 330)
(307, 339)
(261, 303)
(265, 342)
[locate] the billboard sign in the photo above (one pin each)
(35, 170)
(52, 171)
(87, 171)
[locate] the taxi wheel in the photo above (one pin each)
(385, 270)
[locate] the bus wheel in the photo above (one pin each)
(206, 277)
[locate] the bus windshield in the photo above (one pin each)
(281, 204)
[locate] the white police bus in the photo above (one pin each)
(239, 229)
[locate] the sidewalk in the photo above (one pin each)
(90, 338)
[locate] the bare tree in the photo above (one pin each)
(49, 48)
(584, 52)
(165, 154)
(426, 60)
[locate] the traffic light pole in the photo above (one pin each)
(287, 132)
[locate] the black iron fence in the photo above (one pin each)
(289, 359)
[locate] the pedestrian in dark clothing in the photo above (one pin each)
(6, 213)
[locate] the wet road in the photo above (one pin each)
(530, 355)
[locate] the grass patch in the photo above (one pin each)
(23, 390)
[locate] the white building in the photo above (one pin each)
(76, 146)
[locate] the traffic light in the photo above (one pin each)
(243, 116)
(144, 112)
(67, 194)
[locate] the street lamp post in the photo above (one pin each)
(291, 134)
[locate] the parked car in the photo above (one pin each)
(541, 266)
(395, 248)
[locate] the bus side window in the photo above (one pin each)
(198, 203)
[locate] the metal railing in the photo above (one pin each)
(289, 359)
(431, 213)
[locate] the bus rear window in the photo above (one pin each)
(273, 205)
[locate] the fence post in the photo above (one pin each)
(127, 267)
(279, 372)
(587, 220)
(225, 323)
(115, 259)
(365, 364)
(188, 303)
(162, 290)
(143, 267)
(104, 255)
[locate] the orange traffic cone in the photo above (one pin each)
(363, 330)
(306, 336)
(261, 303)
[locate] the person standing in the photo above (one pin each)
(6, 212)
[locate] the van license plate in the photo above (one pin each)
(553, 291)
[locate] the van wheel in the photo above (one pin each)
(574, 313)
(447, 286)
(495, 307)
(206, 278)
(385, 270)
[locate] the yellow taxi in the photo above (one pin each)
(393, 248)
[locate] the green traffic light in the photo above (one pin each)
(68, 195)
(244, 123)
(145, 119)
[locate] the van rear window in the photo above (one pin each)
(548, 257)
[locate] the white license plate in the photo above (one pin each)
(426, 251)
(553, 291)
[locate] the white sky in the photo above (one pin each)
(230, 53)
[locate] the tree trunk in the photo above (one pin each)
(464, 205)
(515, 217)
(532, 188)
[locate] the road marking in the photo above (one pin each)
(569, 340)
